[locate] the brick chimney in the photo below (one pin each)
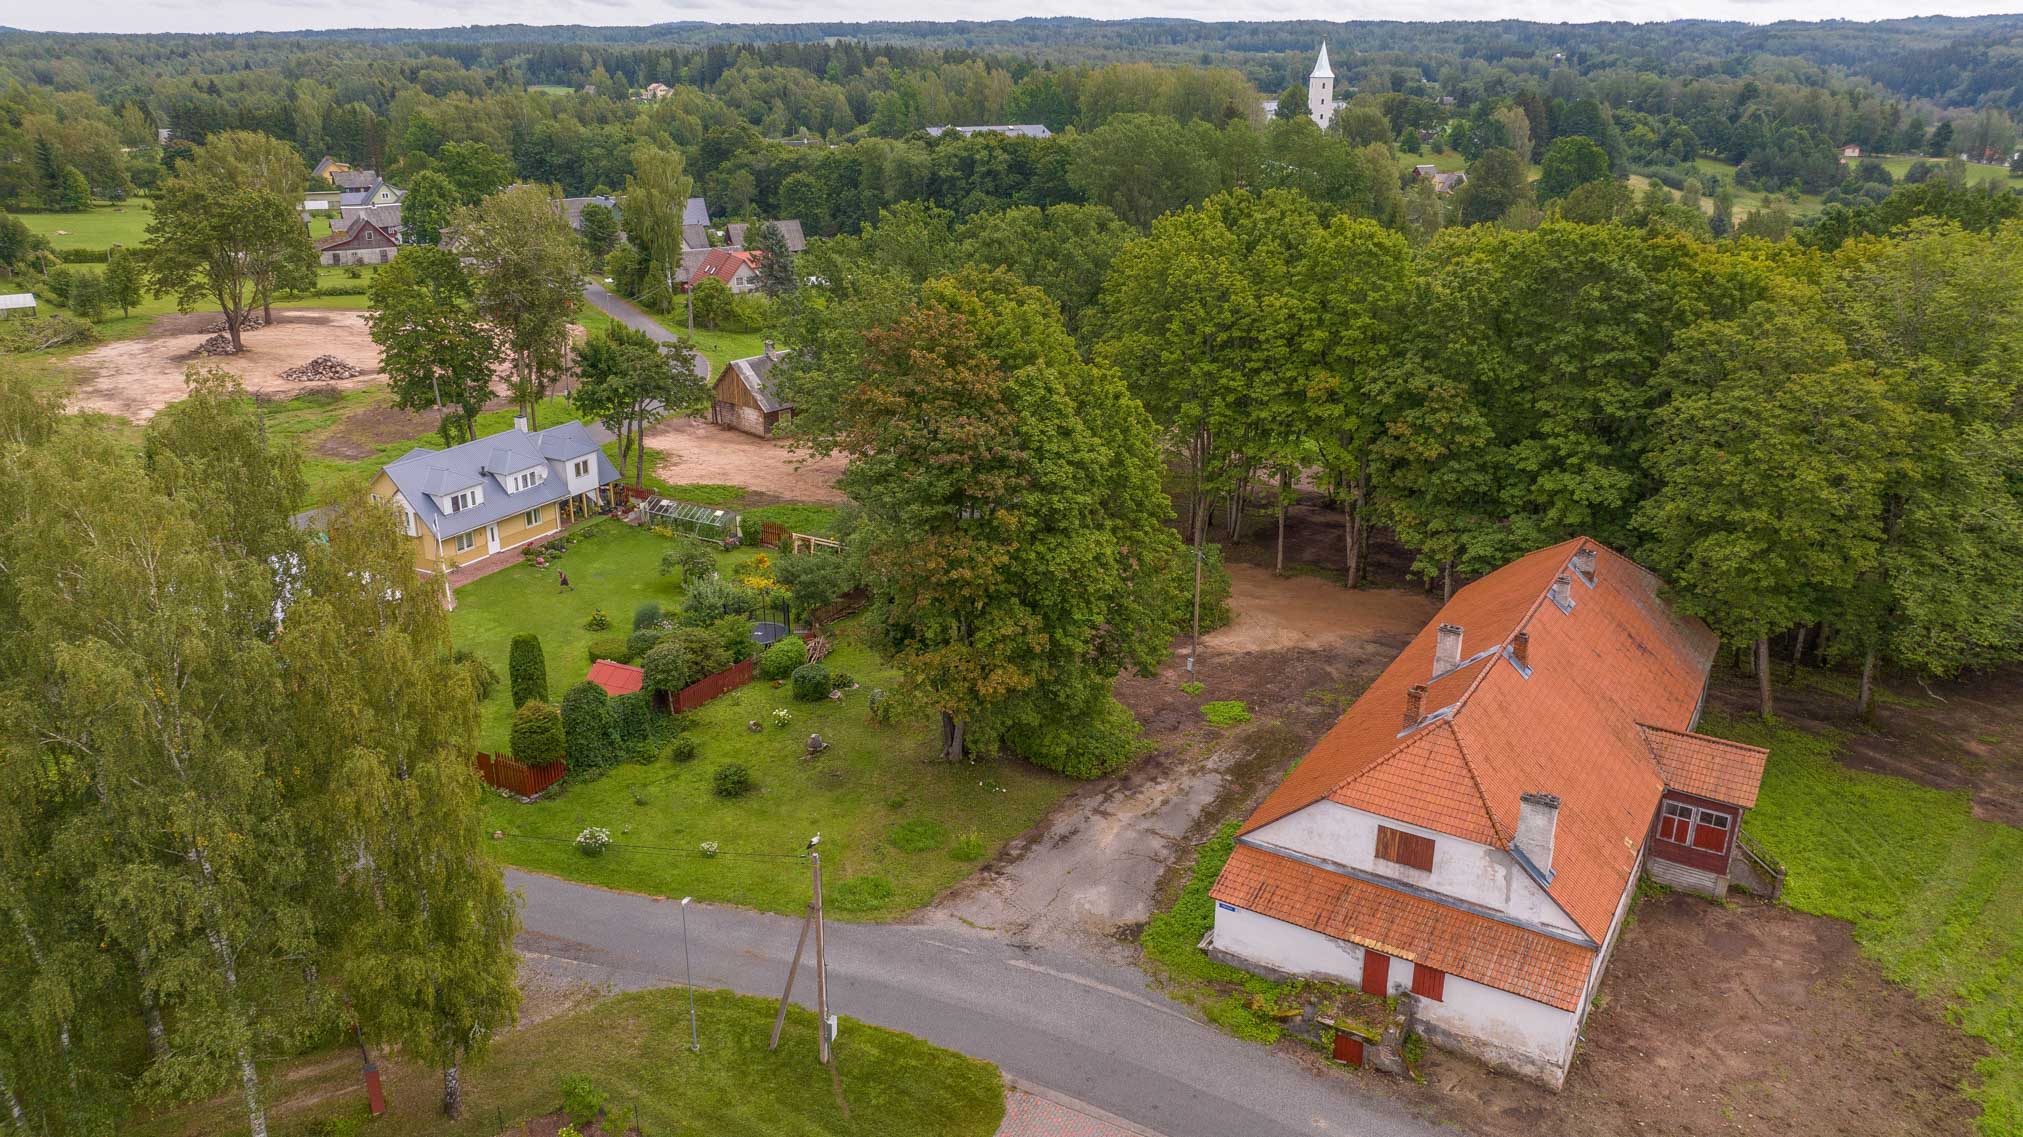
(1562, 592)
(1415, 704)
(1520, 648)
(769, 349)
(1537, 821)
(1584, 564)
(1446, 649)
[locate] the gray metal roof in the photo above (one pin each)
(420, 473)
(737, 233)
(695, 212)
(756, 373)
(385, 216)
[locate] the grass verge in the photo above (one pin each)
(1935, 895)
(633, 1049)
(1234, 999)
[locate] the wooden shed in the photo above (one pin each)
(745, 395)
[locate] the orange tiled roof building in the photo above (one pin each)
(1470, 832)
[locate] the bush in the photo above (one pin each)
(917, 836)
(593, 840)
(781, 659)
(631, 718)
(642, 641)
(693, 562)
(811, 682)
(537, 738)
(586, 727)
(1227, 712)
(597, 622)
(841, 681)
(527, 669)
(968, 847)
(735, 634)
(680, 748)
(731, 779)
(580, 1098)
(859, 893)
(1086, 742)
(484, 679)
(646, 615)
(343, 1127)
(884, 707)
(41, 333)
(683, 657)
(711, 600)
(617, 649)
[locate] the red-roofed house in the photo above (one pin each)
(737, 268)
(617, 678)
(1471, 830)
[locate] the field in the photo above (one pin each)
(871, 781)
(104, 225)
(883, 1082)
(719, 347)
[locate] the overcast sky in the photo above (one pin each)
(289, 15)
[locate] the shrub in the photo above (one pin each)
(680, 748)
(811, 682)
(693, 562)
(593, 840)
(537, 737)
(711, 600)
(968, 847)
(918, 835)
(597, 622)
(1227, 712)
(731, 779)
(527, 668)
(484, 677)
(613, 648)
(643, 640)
(1191, 689)
(586, 727)
(859, 893)
(735, 634)
(631, 718)
(580, 1097)
(646, 615)
(1214, 590)
(684, 656)
(343, 1127)
(1082, 742)
(40, 333)
(841, 681)
(780, 660)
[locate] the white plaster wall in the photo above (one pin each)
(1462, 869)
(566, 470)
(1504, 1029)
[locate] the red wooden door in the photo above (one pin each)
(1376, 973)
(1348, 1048)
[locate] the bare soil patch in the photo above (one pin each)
(1746, 1019)
(137, 377)
(1960, 734)
(692, 450)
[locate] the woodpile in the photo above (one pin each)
(322, 369)
(220, 344)
(250, 323)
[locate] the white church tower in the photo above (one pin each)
(1321, 90)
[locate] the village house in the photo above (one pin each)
(747, 398)
(1009, 130)
(1469, 835)
(654, 92)
(378, 191)
(737, 268)
(695, 224)
(1850, 153)
(737, 233)
(503, 490)
(362, 244)
(387, 217)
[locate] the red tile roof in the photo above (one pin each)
(724, 264)
(617, 678)
(1709, 767)
(1472, 946)
(1620, 662)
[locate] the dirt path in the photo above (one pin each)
(1742, 1019)
(134, 378)
(695, 451)
(1088, 876)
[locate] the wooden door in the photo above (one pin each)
(1348, 1048)
(1376, 973)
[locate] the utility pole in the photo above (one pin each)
(688, 978)
(780, 1019)
(821, 967)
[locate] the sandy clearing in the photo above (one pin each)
(692, 450)
(1304, 611)
(137, 377)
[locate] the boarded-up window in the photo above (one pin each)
(1403, 848)
(1710, 832)
(1428, 983)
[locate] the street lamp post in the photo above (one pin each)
(688, 977)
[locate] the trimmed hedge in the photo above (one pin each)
(1081, 743)
(613, 648)
(586, 727)
(527, 669)
(780, 660)
(537, 736)
(811, 682)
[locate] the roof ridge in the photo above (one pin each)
(1522, 623)
(1468, 764)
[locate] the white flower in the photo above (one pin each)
(594, 839)
(709, 848)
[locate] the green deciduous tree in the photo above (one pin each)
(652, 204)
(1497, 184)
(629, 382)
(599, 229)
(431, 201)
(435, 350)
(476, 170)
(122, 279)
(1569, 164)
(529, 270)
(209, 242)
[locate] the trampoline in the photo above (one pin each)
(769, 632)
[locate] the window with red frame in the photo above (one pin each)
(1710, 831)
(1703, 829)
(1676, 825)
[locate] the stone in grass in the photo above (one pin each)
(816, 744)
(754, 727)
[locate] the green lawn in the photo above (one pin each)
(719, 347)
(1977, 173)
(634, 1050)
(1934, 895)
(100, 227)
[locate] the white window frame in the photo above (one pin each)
(465, 542)
(582, 467)
(462, 501)
(533, 517)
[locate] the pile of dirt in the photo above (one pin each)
(247, 324)
(220, 344)
(322, 369)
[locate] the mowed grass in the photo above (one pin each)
(1935, 895)
(718, 347)
(102, 226)
(634, 1049)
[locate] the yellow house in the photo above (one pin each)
(472, 501)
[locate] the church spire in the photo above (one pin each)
(1321, 69)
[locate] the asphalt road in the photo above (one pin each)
(629, 314)
(1091, 1030)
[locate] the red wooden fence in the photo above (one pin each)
(772, 534)
(518, 777)
(703, 690)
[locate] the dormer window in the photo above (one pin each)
(582, 468)
(462, 501)
(526, 481)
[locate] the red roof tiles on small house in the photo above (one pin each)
(724, 264)
(1708, 767)
(617, 678)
